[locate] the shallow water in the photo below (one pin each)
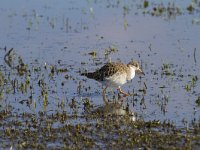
(61, 34)
(69, 30)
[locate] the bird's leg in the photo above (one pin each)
(104, 95)
(121, 91)
(104, 90)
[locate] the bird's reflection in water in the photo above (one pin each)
(114, 110)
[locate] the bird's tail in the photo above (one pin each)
(88, 74)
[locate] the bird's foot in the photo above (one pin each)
(126, 94)
(122, 92)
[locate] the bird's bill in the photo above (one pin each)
(139, 71)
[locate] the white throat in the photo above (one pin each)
(131, 73)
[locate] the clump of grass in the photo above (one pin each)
(146, 4)
(190, 8)
(170, 10)
(192, 83)
(198, 101)
(166, 70)
(2, 78)
(110, 50)
(93, 54)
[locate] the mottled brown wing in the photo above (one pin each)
(107, 70)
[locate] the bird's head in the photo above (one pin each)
(134, 64)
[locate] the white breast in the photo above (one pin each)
(117, 79)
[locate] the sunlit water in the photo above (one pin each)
(62, 33)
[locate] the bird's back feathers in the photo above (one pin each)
(106, 71)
